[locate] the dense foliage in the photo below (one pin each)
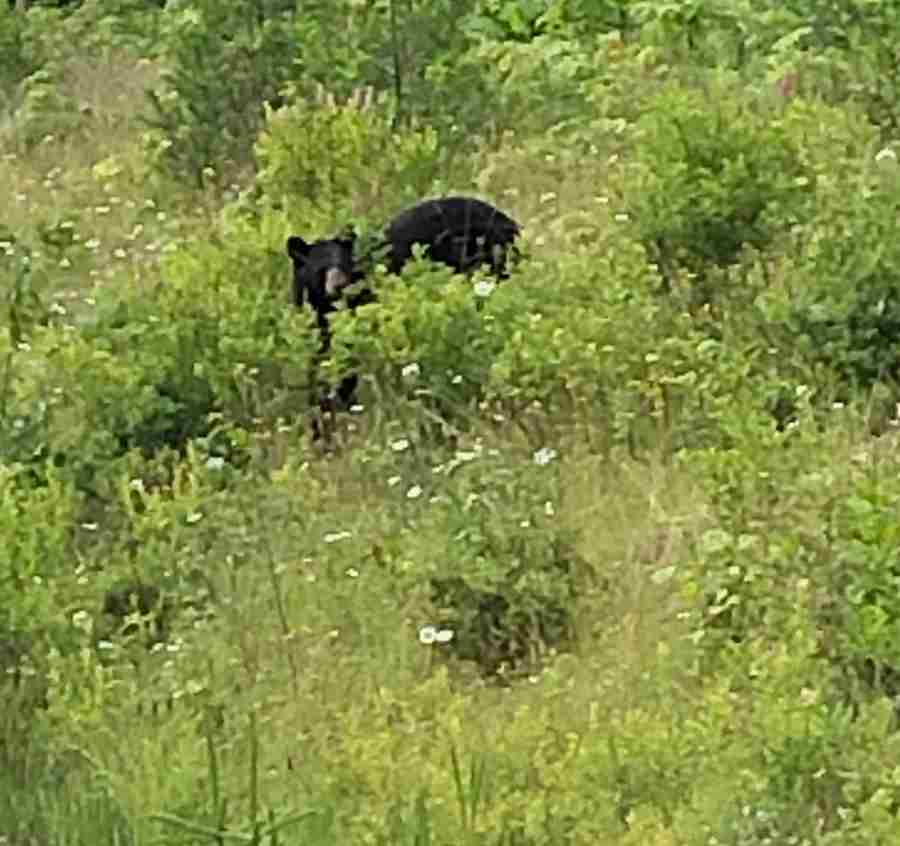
(607, 553)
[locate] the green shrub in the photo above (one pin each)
(226, 60)
(713, 173)
(860, 611)
(45, 110)
(842, 307)
(802, 535)
(323, 165)
(588, 343)
(425, 345)
(209, 350)
(503, 20)
(36, 583)
(585, 341)
(135, 25)
(842, 52)
(17, 58)
(432, 70)
(43, 58)
(500, 561)
(519, 87)
(571, 336)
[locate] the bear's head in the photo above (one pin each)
(322, 270)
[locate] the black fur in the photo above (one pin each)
(461, 232)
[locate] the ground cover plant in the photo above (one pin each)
(606, 553)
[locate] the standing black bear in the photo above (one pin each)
(461, 232)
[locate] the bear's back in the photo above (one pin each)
(458, 231)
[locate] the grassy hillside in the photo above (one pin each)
(607, 554)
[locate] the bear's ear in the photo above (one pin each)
(297, 248)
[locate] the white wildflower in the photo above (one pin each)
(431, 634)
(335, 537)
(544, 456)
(484, 287)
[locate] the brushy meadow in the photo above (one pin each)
(608, 554)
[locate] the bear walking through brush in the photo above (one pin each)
(461, 232)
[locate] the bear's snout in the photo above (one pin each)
(336, 280)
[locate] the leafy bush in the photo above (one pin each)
(16, 53)
(426, 343)
(833, 572)
(842, 308)
(204, 352)
(495, 72)
(322, 165)
(575, 337)
(226, 61)
(586, 341)
(712, 175)
(63, 60)
(501, 563)
(36, 578)
(45, 111)
(845, 51)
(68, 28)
(408, 50)
(860, 610)
(507, 20)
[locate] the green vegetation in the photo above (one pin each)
(611, 552)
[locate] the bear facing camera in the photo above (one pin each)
(463, 233)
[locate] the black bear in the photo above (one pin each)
(461, 232)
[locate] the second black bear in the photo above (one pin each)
(461, 232)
